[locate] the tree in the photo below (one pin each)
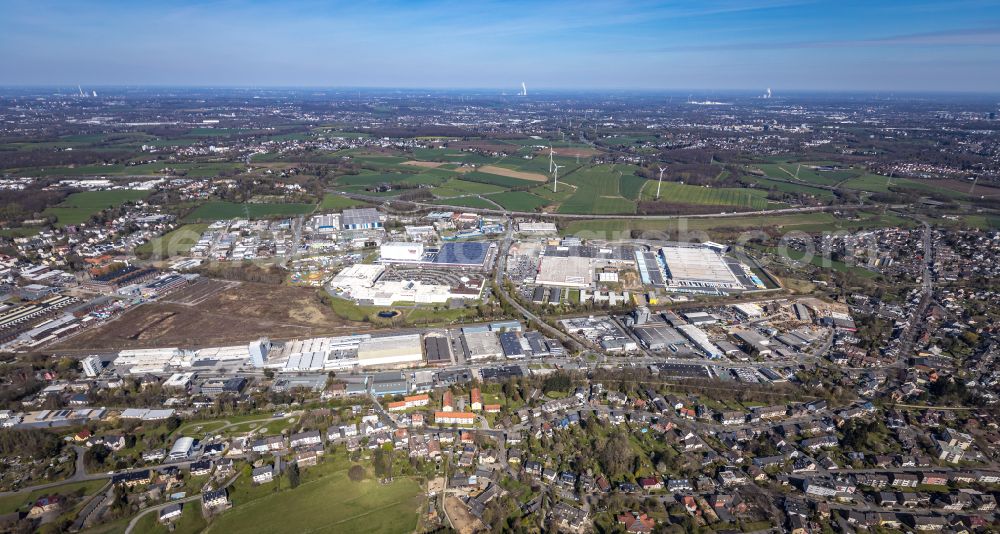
(293, 476)
(616, 455)
(356, 473)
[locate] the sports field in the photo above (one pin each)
(332, 503)
(79, 207)
(214, 211)
(672, 192)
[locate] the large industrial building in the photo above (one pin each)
(360, 219)
(472, 255)
(375, 285)
(573, 272)
(481, 345)
(697, 267)
(401, 252)
(391, 351)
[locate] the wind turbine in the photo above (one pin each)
(551, 161)
(555, 184)
(658, 184)
(797, 171)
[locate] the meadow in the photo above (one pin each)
(332, 202)
(331, 503)
(816, 222)
(177, 241)
(518, 201)
(672, 192)
(79, 207)
(598, 192)
(214, 211)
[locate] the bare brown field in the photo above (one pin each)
(220, 314)
(464, 522)
(509, 173)
(426, 164)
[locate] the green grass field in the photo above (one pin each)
(767, 184)
(178, 241)
(214, 211)
(631, 186)
(823, 263)
(672, 192)
(11, 503)
(467, 202)
(518, 201)
(372, 178)
(79, 207)
(496, 179)
(190, 522)
(332, 503)
(598, 191)
(805, 222)
(788, 170)
(333, 202)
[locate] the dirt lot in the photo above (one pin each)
(500, 171)
(427, 164)
(231, 314)
(464, 522)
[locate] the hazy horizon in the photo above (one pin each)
(788, 45)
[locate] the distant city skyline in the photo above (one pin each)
(787, 45)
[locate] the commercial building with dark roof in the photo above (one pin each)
(510, 342)
(438, 350)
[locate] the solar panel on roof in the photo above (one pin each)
(463, 253)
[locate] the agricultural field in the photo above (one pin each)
(518, 201)
(214, 211)
(495, 179)
(725, 226)
(631, 186)
(598, 192)
(806, 173)
(333, 202)
(520, 175)
(331, 503)
(768, 184)
(468, 202)
(672, 192)
(79, 207)
(458, 187)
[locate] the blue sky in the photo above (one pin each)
(914, 45)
